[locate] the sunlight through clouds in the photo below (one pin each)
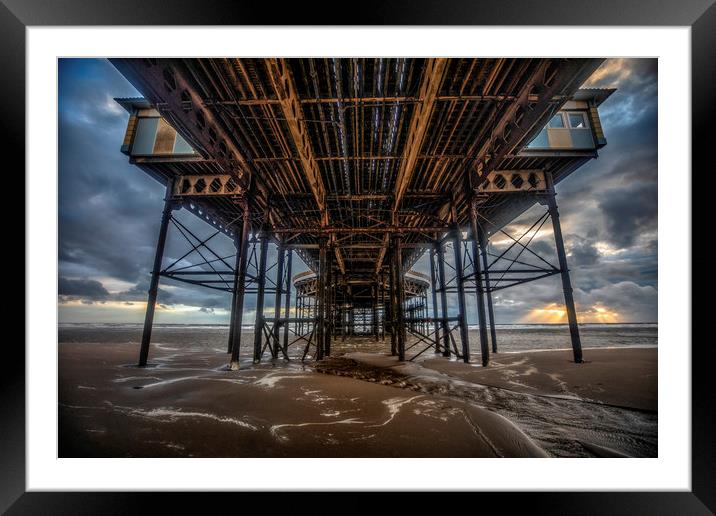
(554, 313)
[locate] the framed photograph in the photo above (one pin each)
(428, 248)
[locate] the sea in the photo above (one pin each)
(510, 337)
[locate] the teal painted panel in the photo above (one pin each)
(582, 139)
(144, 139)
(557, 121)
(181, 146)
(540, 141)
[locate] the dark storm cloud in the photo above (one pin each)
(171, 294)
(629, 212)
(583, 251)
(636, 81)
(541, 247)
(607, 271)
(624, 297)
(81, 288)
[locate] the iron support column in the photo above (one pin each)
(484, 345)
(400, 295)
(375, 311)
(424, 324)
(566, 281)
(154, 282)
(261, 291)
(277, 300)
(433, 287)
(352, 319)
(320, 300)
(482, 239)
(344, 309)
(443, 298)
(238, 307)
(287, 308)
(383, 306)
(459, 281)
(328, 303)
(344, 316)
(232, 317)
(393, 311)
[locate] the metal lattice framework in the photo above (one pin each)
(206, 185)
(359, 166)
(499, 181)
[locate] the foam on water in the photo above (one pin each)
(168, 414)
(272, 379)
(275, 428)
(394, 405)
(557, 423)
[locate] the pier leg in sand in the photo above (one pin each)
(232, 315)
(169, 205)
(566, 281)
(287, 309)
(400, 297)
(459, 281)
(484, 349)
(261, 280)
(443, 297)
(238, 308)
(277, 303)
(483, 241)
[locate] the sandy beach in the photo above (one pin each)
(354, 404)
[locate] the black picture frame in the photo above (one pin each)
(700, 15)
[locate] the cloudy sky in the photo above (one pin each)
(109, 215)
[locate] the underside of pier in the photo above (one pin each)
(359, 167)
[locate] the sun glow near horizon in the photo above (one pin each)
(554, 313)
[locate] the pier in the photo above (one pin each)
(360, 167)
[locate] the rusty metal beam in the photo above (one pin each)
(366, 100)
(370, 197)
(279, 73)
(339, 256)
(282, 82)
(381, 255)
(429, 88)
(361, 231)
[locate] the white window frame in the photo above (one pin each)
(564, 122)
(585, 120)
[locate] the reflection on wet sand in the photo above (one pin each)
(358, 403)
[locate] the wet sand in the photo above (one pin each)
(624, 377)
(354, 404)
(188, 405)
